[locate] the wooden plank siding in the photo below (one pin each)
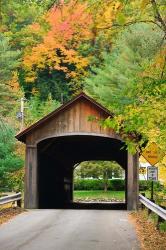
(73, 120)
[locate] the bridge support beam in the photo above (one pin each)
(132, 182)
(31, 182)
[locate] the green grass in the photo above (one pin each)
(101, 195)
(162, 226)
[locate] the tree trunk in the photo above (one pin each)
(105, 185)
(105, 178)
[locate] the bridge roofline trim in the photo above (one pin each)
(70, 134)
(22, 135)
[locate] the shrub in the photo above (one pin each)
(114, 184)
(146, 185)
(16, 180)
(117, 184)
(93, 184)
(86, 184)
(162, 226)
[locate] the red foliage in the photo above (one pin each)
(69, 27)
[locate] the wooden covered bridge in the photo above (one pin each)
(64, 138)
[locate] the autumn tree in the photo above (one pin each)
(131, 83)
(54, 63)
(8, 64)
(9, 161)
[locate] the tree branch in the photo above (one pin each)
(158, 15)
(131, 23)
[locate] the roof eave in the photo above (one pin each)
(22, 135)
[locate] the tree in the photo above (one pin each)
(136, 11)
(55, 62)
(9, 62)
(128, 82)
(36, 109)
(9, 161)
(15, 180)
(99, 169)
(104, 14)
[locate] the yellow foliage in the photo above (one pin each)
(104, 13)
(162, 170)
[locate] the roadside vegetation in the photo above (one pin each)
(151, 238)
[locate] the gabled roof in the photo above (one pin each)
(22, 135)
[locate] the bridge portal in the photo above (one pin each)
(64, 138)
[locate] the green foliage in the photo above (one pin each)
(56, 84)
(36, 109)
(92, 184)
(17, 14)
(15, 181)
(9, 161)
(85, 184)
(8, 64)
(98, 169)
(146, 185)
(113, 184)
(131, 83)
(114, 82)
(117, 184)
(162, 226)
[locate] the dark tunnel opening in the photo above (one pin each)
(56, 159)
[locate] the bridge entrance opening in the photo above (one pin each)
(99, 184)
(57, 159)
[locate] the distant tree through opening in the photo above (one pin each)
(99, 181)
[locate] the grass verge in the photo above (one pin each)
(99, 195)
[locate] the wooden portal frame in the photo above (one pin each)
(71, 119)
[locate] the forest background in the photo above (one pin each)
(113, 50)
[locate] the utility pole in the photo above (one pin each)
(22, 113)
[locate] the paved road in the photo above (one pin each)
(69, 230)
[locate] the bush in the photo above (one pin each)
(16, 180)
(114, 184)
(93, 184)
(9, 160)
(117, 184)
(162, 226)
(86, 184)
(146, 185)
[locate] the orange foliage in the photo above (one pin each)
(69, 27)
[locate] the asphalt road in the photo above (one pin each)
(69, 230)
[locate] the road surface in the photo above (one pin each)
(69, 230)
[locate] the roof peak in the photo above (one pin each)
(21, 136)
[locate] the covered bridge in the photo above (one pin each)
(64, 138)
